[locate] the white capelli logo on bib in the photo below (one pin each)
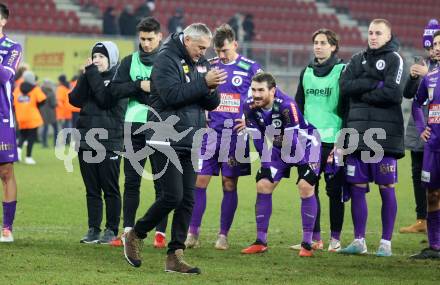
(380, 64)
(237, 80)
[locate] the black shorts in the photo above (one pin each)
(309, 172)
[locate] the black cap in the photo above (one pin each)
(99, 47)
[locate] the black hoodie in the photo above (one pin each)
(373, 82)
(178, 87)
(99, 108)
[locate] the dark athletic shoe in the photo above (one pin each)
(92, 236)
(427, 253)
(107, 237)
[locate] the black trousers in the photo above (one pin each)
(177, 194)
(419, 191)
(98, 178)
(132, 186)
(334, 193)
(29, 135)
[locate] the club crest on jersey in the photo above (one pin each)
(380, 64)
(277, 123)
(237, 80)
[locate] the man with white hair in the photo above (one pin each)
(183, 87)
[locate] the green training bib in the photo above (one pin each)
(137, 112)
(321, 102)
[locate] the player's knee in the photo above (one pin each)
(433, 199)
(264, 186)
(305, 189)
(6, 172)
(359, 185)
(202, 181)
(386, 186)
(229, 184)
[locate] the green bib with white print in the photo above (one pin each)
(322, 102)
(137, 112)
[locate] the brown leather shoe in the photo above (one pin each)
(418, 227)
(132, 248)
(175, 263)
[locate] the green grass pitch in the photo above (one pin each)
(51, 219)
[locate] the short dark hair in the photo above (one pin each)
(148, 24)
(4, 11)
(261, 77)
(332, 37)
(436, 34)
(222, 33)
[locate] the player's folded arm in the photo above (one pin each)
(391, 92)
(352, 82)
(122, 86)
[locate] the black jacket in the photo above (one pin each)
(122, 86)
(371, 104)
(99, 109)
(320, 70)
(185, 95)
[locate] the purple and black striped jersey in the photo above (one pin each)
(429, 93)
(234, 92)
(299, 138)
(10, 55)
